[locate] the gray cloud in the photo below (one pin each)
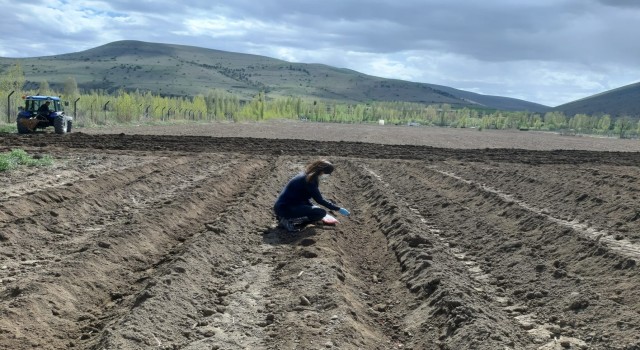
(620, 3)
(576, 47)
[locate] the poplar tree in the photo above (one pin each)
(13, 79)
(623, 125)
(70, 89)
(44, 88)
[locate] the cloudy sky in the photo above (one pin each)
(545, 51)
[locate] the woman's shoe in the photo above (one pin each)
(287, 225)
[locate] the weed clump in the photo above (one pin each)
(18, 157)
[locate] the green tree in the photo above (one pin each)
(70, 89)
(604, 124)
(431, 114)
(444, 113)
(623, 126)
(44, 88)
(255, 109)
(537, 122)
(581, 123)
(261, 98)
(555, 120)
(124, 106)
(13, 79)
(199, 107)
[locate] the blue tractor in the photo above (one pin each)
(40, 112)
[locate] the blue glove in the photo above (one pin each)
(344, 212)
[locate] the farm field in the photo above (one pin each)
(163, 238)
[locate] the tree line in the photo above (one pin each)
(99, 107)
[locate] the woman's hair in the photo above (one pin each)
(315, 168)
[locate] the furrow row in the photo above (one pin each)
(542, 266)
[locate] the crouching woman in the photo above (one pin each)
(294, 209)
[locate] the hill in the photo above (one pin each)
(187, 71)
(620, 102)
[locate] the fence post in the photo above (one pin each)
(9, 106)
(105, 111)
(75, 108)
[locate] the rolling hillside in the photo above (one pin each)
(187, 71)
(620, 102)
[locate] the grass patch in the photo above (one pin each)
(18, 157)
(8, 128)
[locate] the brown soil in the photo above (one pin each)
(148, 238)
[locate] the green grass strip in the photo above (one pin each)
(18, 157)
(8, 128)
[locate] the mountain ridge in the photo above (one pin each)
(181, 70)
(619, 102)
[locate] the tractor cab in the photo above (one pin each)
(34, 104)
(40, 112)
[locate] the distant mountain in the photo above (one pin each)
(187, 71)
(620, 102)
(505, 103)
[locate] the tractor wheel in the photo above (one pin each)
(22, 126)
(69, 125)
(60, 124)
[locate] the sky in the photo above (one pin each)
(544, 51)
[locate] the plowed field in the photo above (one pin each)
(150, 238)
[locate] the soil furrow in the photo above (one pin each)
(340, 283)
(570, 192)
(205, 271)
(459, 310)
(114, 258)
(538, 262)
(66, 169)
(621, 246)
(74, 192)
